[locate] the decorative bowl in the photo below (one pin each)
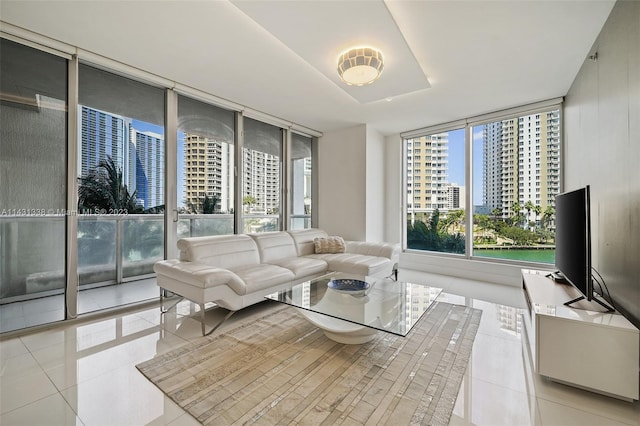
(349, 286)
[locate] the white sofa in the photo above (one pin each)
(235, 271)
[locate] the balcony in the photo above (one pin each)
(116, 254)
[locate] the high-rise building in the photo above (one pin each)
(492, 170)
(149, 176)
(521, 163)
(261, 181)
(508, 167)
(454, 195)
(139, 155)
(103, 135)
(427, 173)
(208, 173)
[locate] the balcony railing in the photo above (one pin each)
(112, 249)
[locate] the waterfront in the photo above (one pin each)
(529, 255)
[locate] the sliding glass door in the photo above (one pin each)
(206, 164)
(121, 186)
(87, 177)
(261, 178)
(33, 158)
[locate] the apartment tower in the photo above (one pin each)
(208, 173)
(139, 155)
(427, 174)
(522, 163)
(103, 135)
(149, 179)
(261, 181)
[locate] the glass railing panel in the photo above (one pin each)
(96, 249)
(31, 262)
(196, 225)
(32, 276)
(142, 243)
(260, 223)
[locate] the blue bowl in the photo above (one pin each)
(349, 286)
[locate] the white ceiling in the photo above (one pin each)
(311, 30)
(444, 60)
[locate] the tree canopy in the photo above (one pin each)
(103, 190)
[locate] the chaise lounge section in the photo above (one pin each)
(235, 271)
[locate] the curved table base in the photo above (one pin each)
(338, 330)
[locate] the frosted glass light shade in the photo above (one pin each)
(360, 66)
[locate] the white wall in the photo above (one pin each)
(375, 186)
(342, 186)
(359, 178)
(602, 149)
(394, 191)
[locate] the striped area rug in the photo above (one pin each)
(276, 368)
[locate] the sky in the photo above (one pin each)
(456, 164)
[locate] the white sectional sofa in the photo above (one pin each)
(235, 271)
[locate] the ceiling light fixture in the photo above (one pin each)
(360, 65)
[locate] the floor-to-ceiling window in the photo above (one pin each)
(300, 171)
(261, 176)
(121, 184)
(206, 164)
(516, 178)
(436, 191)
(119, 200)
(33, 158)
(486, 188)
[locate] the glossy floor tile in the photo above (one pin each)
(84, 373)
(50, 309)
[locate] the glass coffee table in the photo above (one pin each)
(353, 308)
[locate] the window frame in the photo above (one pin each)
(77, 58)
(468, 124)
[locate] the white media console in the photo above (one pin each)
(582, 345)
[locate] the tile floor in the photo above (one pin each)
(84, 373)
(34, 312)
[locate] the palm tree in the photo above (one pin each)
(529, 207)
(538, 210)
(547, 216)
(516, 212)
(103, 190)
(453, 219)
(484, 223)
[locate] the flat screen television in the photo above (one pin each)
(573, 242)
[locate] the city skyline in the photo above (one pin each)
(137, 147)
(513, 160)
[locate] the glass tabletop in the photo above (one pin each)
(378, 303)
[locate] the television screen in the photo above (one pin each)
(573, 239)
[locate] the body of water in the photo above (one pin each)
(541, 256)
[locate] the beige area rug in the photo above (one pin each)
(276, 368)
